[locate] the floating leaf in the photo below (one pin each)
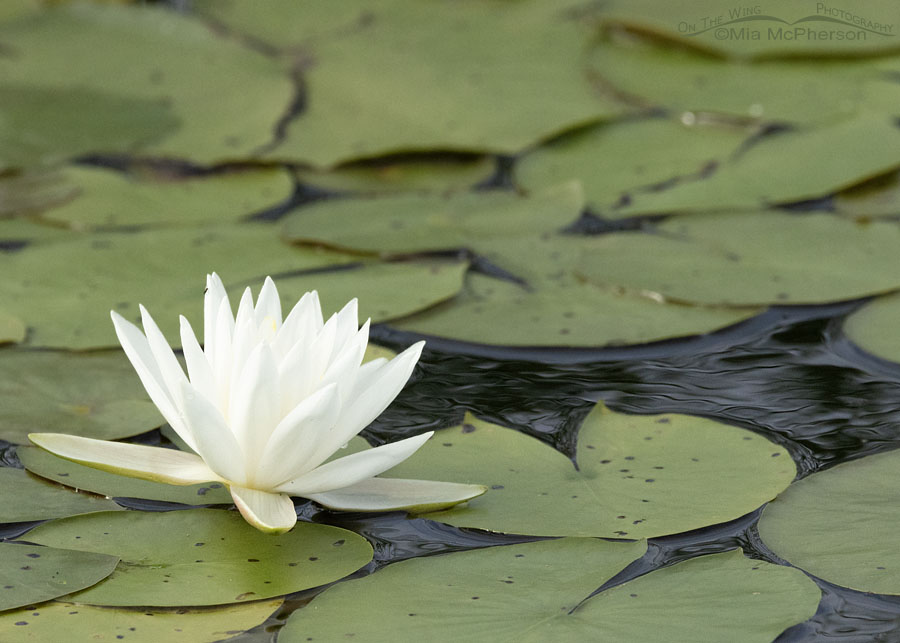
(24, 498)
(71, 474)
(385, 290)
(841, 524)
(763, 30)
(76, 623)
(30, 192)
(438, 174)
(752, 258)
(91, 394)
(613, 159)
(47, 125)
(203, 556)
(679, 79)
(637, 476)
(767, 173)
(878, 197)
(388, 78)
(35, 574)
(107, 198)
(565, 314)
(140, 53)
(542, 592)
(64, 291)
(876, 327)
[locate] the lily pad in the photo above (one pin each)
(878, 197)
(752, 258)
(637, 476)
(64, 291)
(29, 192)
(613, 159)
(24, 498)
(71, 474)
(204, 556)
(569, 313)
(764, 29)
(428, 174)
(109, 199)
(12, 329)
(768, 173)
(841, 524)
(35, 574)
(875, 328)
(387, 80)
(76, 623)
(676, 78)
(139, 53)
(91, 394)
(385, 290)
(542, 592)
(41, 126)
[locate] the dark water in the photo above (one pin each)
(788, 374)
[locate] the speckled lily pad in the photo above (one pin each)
(637, 477)
(77, 623)
(24, 498)
(203, 556)
(95, 395)
(542, 592)
(30, 574)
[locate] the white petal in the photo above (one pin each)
(245, 309)
(212, 302)
(220, 361)
(354, 468)
(199, 371)
(268, 307)
(347, 325)
(137, 348)
(214, 440)
(302, 325)
(256, 405)
(396, 494)
(358, 412)
(243, 343)
(345, 365)
(288, 450)
(168, 364)
(270, 512)
(133, 460)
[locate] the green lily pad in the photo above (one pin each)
(614, 159)
(24, 498)
(71, 474)
(21, 231)
(139, 53)
(637, 476)
(203, 556)
(676, 78)
(385, 290)
(752, 258)
(438, 174)
(496, 225)
(76, 623)
(768, 172)
(64, 291)
(45, 125)
(12, 329)
(764, 29)
(841, 524)
(107, 198)
(91, 394)
(569, 313)
(35, 574)
(539, 592)
(874, 327)
(388, 79)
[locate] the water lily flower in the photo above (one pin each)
(264, 405)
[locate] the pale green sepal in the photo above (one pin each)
(133, 460)
(398, 494)
(272, 513)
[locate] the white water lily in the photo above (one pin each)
(264, 405)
